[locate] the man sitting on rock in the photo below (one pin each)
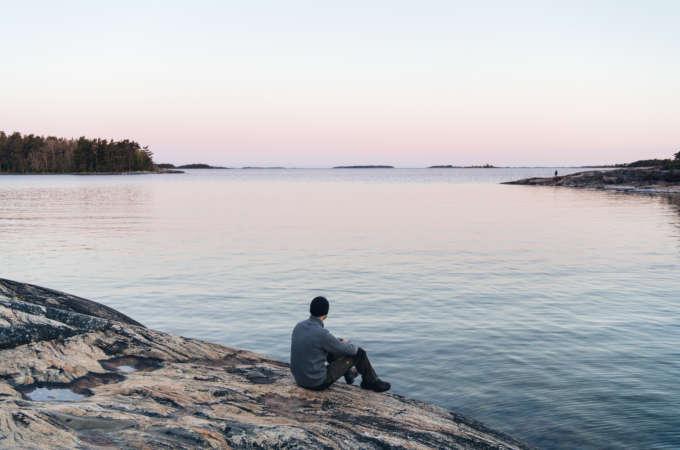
(312, 346)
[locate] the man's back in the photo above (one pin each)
(310, 345)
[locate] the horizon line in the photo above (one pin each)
(388, 166)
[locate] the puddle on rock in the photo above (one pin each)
(78, 389)
(129, 364)
(53, 394)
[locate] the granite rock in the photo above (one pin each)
(133, 387)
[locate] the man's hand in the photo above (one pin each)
(343, 340)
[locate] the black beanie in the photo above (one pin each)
(319, 307)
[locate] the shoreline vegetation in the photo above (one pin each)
(649, 176)
(114, 382)
(49, 154)
(84, 174)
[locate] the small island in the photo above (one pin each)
(449, 166)
(200, 166)
(364, 167)
(189, 166)
(648, 176)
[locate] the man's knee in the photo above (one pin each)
(361, 354)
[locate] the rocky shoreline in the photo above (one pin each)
(77, 374)
(639, 180)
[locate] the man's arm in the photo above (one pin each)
(334, 346)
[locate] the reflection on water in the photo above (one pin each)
(674, 202)
(549, 313)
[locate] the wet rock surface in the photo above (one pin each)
(138, 388)
(643, 180)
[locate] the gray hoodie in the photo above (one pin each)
(310, 345)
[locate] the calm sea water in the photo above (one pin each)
(551, 314)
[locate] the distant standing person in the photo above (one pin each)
(555, 174)
(318, 359)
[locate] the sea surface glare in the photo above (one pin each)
(548, 313)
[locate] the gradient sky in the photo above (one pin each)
(313, 83)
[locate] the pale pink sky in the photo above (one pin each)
(300, 84)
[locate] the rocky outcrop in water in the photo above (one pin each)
(77, 374)
(651, 180)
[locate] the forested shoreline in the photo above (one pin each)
(30, 153)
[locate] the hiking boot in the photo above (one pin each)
(351, 375)
(378, 385)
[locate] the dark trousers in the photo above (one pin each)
(340, 365)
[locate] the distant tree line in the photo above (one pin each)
(31, 153)
(662, 163)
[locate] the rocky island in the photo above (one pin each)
(644, 180)
(647, 176)
(78, 374)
